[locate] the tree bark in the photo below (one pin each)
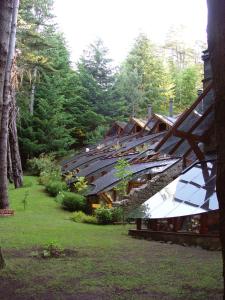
(12, 6)
(216, 44)
(9, 163)
(32, 95)
(5, 29)
(17, 172)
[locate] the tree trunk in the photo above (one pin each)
(4, 203)
(17, 172)
(9, 163)
(216, 43)
(12, 7)
(5, 29)
(6, 9)
(32, 95)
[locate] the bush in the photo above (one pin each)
(103, 215)
(54, 187)
(44, 163)
(78, 216)
(46, 177)
(81, 217)
(117, 214)
(90, 219)
(72, 201)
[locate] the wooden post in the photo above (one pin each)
(138, 224)
(204, 224)
(149, 224)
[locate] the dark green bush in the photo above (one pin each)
(103, 215)
(54, 187)
(72, 201)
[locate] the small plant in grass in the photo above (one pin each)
(72, 201)
(24, 200)
(51, 250)
(54, 249)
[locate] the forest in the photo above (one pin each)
(65, 105)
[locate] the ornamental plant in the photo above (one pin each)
(123, 173)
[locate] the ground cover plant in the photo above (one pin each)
(101, 262)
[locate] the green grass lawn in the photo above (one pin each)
(108, 264)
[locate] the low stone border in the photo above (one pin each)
(6, 212)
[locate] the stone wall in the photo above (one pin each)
(139, 195)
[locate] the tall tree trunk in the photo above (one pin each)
(32, 95)
(4, 203)
(17, 172)
(5, 29)
(216, 43)
(12, 6)
(9, 163)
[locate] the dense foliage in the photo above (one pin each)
(72, 201)
(63, 108)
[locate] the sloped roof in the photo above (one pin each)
(193, 192)
(121, 124)
(166, 119)
(100, 164)
(140, 122)
(109, 180)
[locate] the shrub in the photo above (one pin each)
(81, 217)
(117, 214)
(52, 249)
(54, 187)
(72, 201)
(81, 185)
(90, 219)
(103, 215)
(43, 163)
(78, 216)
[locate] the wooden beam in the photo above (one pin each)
(184, 115)
(195, 125)
(196, 149)
(138, 224)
